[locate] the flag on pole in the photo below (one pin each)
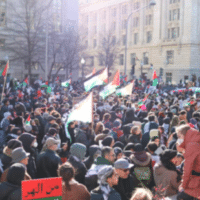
(127, 90)
(4, 70)
(155, 79)
(25, 82)
(111, 87)
(96, 80)
(66, 83)
(91, 74)
(81, 112)
(28, 120)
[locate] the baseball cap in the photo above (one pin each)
(122, 164)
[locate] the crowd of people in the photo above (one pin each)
(128, 152)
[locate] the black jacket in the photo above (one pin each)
(47, 164)
(9, 191)
(80, 169)
(125, 187)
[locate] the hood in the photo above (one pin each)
(27, 139)
(6, 189)
(192, 135)
(93, 149)
(142, 159)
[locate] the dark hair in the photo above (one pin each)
(52, 131)
(151, 118)
(183, 112)
(105, 151)
(106, 116)
(67, 172)
(129, 146)
(152, 146)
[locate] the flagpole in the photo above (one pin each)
(4, 81)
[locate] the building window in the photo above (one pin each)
(2, 42)
(170, 57)
(114, 12)
(136, 22)
(95, 29)
(133, 56)
(177, 32)
(104, 28)
(149, 20)
(178, 14)
(113, 40)
(168, 77)
(146, 58)
(136, 38)
(173, 33)
(174, 14)
(124, 40)
(149, 36)
(94, 43)
(87, 19)
(170, 15)
(124, 24)
(121, 59)
(124, 9)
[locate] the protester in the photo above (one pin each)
(11, 189)
(71, 189)
(107, 178)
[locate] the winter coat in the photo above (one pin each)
(191, 144)
(91, 176)
(143, 168)
(10, 191)
(167, 178)
(80, 168)
(4, 109)
(26, 142)
(97, 194)
(134, 139)
(6, 157)
(47, 164)
(81, 137)
(77, 192)
(125, 187)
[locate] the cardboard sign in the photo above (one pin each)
(42, 188)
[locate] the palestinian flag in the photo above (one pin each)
(4, 70)
(28, 120)
(66, 83)
(96, 80)
(45, 84)
(145, 98)
(111, 87)
(81, 112)
(25, 82)
(155, 79)
(127, 90)
(91, 74)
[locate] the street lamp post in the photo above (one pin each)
(152, 3)
(82, 63)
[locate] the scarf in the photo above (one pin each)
(105, 188)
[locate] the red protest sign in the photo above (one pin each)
(41, 188)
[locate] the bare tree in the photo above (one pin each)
(25, 30)
(64, 49)
(108, 50)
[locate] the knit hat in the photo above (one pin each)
(104, 174)
(52, 131)
(19, 154)
(51, 141)
(78, 150)
(14, 143)
(6, 114)
(107, 141)
(16, 174)
(28, 128)
(167, 155)
(119, 144)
